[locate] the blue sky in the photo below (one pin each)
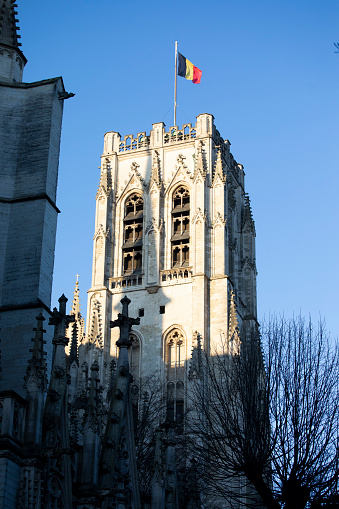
(271, 80)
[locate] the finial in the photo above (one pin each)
(62, 303)
(124, 322)
(125, 303)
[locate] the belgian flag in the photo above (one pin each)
(187, 70)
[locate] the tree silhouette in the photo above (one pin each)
(268, 433)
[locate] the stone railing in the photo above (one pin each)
(130, 143)
(174, 135)
(186, 133)
(179, 275)
(125, 282)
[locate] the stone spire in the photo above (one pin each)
(195, 366)
(8, 24)
(37, 367)
(36, 385)
(76, 299)
(119, 414)
(233, 328)
(199, 160)
(105, 183)
(73, 352)
(155, 172)
(247, 218)
(58, 381)
(76, 330)
(12, 60)
(219, 170)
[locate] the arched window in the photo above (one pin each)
(180, 227)
(175, 376)
(133, 231)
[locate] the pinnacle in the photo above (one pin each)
(76, 298)
(8, 24)
(155, 172)
(233, 319)
(219, 170)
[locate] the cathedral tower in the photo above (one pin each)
(174, 232)
(30, 127)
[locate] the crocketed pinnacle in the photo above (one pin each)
(247, 218)
(219, 170)
(155, 172)
(37, 367)
(73, 353)
(233, 319)
(8, 24)
(199, 160)
(76, 299)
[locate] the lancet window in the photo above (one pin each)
(175, 376)
(180, 227)
(133, 234)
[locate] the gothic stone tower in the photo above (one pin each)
(174, 232)
(30, 127)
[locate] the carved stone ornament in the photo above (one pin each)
(153, 226)
(218, 220)
(101, 232)
(181, 167)
(199, 215)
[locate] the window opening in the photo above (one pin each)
(133, 235)
(180, 227)
(175, 374)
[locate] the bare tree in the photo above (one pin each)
(148, 410)
(268, 432)
(154, 432)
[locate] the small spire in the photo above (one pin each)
(8, 24)
(76, 298)
(219, 169)
(37, 364)
(195, 367)
(75, 332)
(233, 328)
(155, 172)
(105, 183)
(12, 60)
(199, 160)
(73, 354)
(247, 218)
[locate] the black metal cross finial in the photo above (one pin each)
(124, 322)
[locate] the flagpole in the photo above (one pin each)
(175, 83)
